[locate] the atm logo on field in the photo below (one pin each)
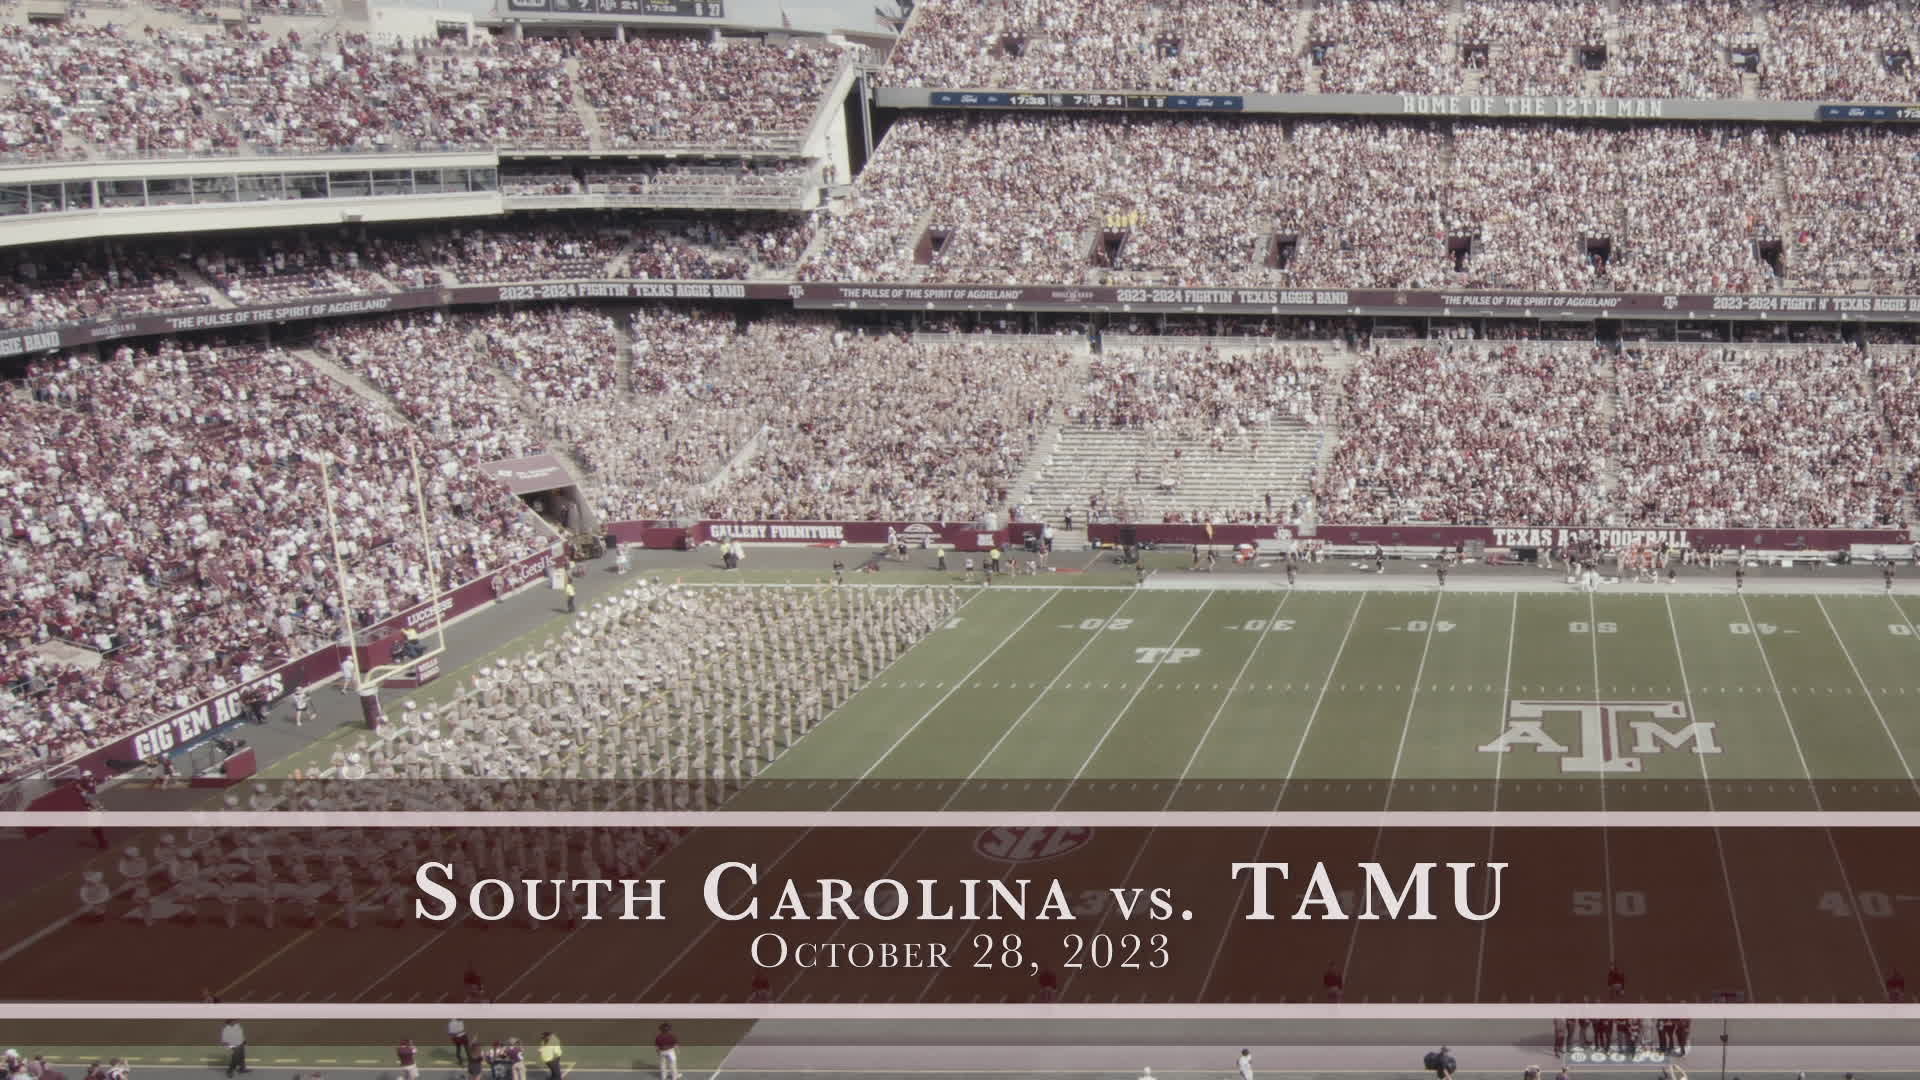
(1031, 843)
(1607, 736)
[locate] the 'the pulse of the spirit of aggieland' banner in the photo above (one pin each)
(1018, 913)
(689, 9)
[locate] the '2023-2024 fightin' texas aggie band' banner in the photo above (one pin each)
(1001, 297)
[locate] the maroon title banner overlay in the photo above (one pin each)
(1065, 913)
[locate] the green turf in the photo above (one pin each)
(1273, 694)
(1305, 699)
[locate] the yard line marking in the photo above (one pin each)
(1873, 957)
(1912, 630)
(913, 843)
(1393, 777)
(1314, 713)
(1513, 626)
(390, 972)
(798, 840)
(1706, 784)
(1606, 836)
(942, 699)
(1035, 703)
(1174, 790)
(1067, 788)
(1884, 726)
(1123, 710)
(1280, 799)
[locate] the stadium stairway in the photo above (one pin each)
(596, 136)
(736, 463)
(354, 384)
(1045, 446)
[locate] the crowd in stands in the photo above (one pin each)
(78, 88)
(1896, 386)
(1701, 437)
(1531, 47)
(165, 507)
(1860, 50)
(1371, 204)
(1851, 217)
(729, 183)
(49, 285)
(1676, 48)
(1098, 45)
(1383, 46)
(1201, 391)
(690, 92)
(793, 419)
(1777, 437)
(872, 427)
(1468, 434)
(288, 271)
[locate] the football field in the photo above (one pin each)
(1262, 699)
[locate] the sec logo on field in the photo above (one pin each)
(1031, 843)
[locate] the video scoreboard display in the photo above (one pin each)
(1005, 100)
(688, 9)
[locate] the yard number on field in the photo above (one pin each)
(1260, 626)
(1420, 626)
(1627, 903)
(1105, 624)
(1874, 905)
(1753, 628)
(1596, 628)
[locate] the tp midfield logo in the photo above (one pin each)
(1612, 735)
(1032, 843)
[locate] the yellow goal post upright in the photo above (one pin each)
(367, 678)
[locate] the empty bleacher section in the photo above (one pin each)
(1211, 430)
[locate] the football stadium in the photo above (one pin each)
(1487, 428)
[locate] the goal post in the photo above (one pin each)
(430, 642)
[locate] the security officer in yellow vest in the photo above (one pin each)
(550, 1054)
